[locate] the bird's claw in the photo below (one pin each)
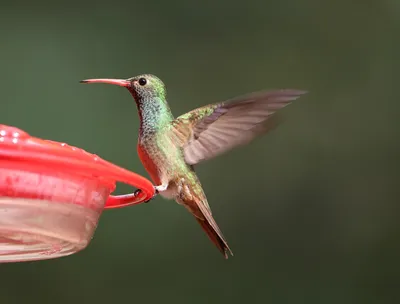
(160, 188)
(139, 191)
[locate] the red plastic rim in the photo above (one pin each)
(49, 156)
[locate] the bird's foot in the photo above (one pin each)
(160, 188)
(139, 191)
(157, 190)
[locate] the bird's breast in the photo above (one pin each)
(149, 163)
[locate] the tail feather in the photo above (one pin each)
(193, 198)
(218, 240)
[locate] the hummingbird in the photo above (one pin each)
(170, 147)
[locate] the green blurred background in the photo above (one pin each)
(310, 211)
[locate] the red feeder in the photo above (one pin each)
(52, 195)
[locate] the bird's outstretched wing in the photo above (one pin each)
(216, 128)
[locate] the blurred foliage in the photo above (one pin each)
(310, 211)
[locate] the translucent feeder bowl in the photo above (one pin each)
(52, 196)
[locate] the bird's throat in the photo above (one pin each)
(154, 114)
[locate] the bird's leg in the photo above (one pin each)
(160, 188)
(157, 190)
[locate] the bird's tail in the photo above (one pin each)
(217, 238)
(194, 199)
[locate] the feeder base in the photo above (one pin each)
(32, 229)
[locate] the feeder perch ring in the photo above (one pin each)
(52, 195)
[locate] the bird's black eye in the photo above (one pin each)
(142, 81)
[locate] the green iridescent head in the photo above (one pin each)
(147, 86)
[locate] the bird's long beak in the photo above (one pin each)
(118, 82)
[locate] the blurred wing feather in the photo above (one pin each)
(214, 129)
